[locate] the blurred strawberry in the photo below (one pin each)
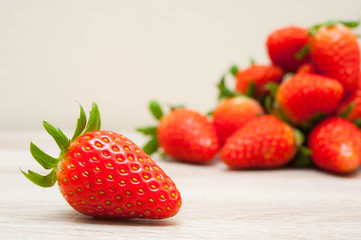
(335, 52)
(263, 142)
(257, 76)
(233, 111)
(303, 97)
(183, 134)
(284, 46)
(336, 145)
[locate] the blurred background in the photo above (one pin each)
(122, 54)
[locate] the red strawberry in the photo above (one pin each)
(304, 96)
(353, 98)
(283, 46)
(183, 134)
(306, 68)
(263, 142)
(232, 113)
(335, 53)
(103, 173)
(336, 145)
(259, 75)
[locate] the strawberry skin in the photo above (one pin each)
(336, 145)
(188, 136)
(105, 174)
(306, 68)
(263, 142)
(335, 53)
(260, 75)
(304, 96)
(283, 44)
(232, 113)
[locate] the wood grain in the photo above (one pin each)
(217, 203)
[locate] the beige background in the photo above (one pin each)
(121, 54)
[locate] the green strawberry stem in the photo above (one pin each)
(302, 158)
(49, 162)
(303, 52)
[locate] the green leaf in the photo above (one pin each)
(156, 109)
(347, 110)
(268, 104)
(252, 61)
(59, 137)
(299, 137)
(234, 70)
(224, 91)
(80, 125)
(271, 87)
(151, 130)
(42, 181)
(174, 107)
(303, 52)
(42, 158)
(351, 24)
(251, 89)
(94, 120)
(151, 146)
(357, 122)
(303, 158)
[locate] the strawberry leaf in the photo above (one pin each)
(94, 120)
(156, 109)
(234, 70)
(347, 110)
(302, 158)
(59, 137)
(150, 130)
(42, 158)
(299, 137)
(151, 146)
(40, 180)
(251, 89)
(224, 91)
(81, 123)
(303, 52)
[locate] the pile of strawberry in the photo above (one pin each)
(303, 109)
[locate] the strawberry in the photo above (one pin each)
(284, 44)
(233, 111)
(259, 76)
(263, 142)
(335, 53)
(352, 101)
(303, 97)
(336, 145)
(184, 134)
(306, 68)
(103, 173)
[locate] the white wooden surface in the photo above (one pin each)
(217, 203)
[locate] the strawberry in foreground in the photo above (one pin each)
(263, 142)
(184, 134)
(335, 52)
(257, 75)
(336, 145)
(305, 96)
(284, 44)
(234, 111)
(103, 173)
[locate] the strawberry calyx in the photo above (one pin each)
(151, 131)
(48, 162)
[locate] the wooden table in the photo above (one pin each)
(217, 203)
